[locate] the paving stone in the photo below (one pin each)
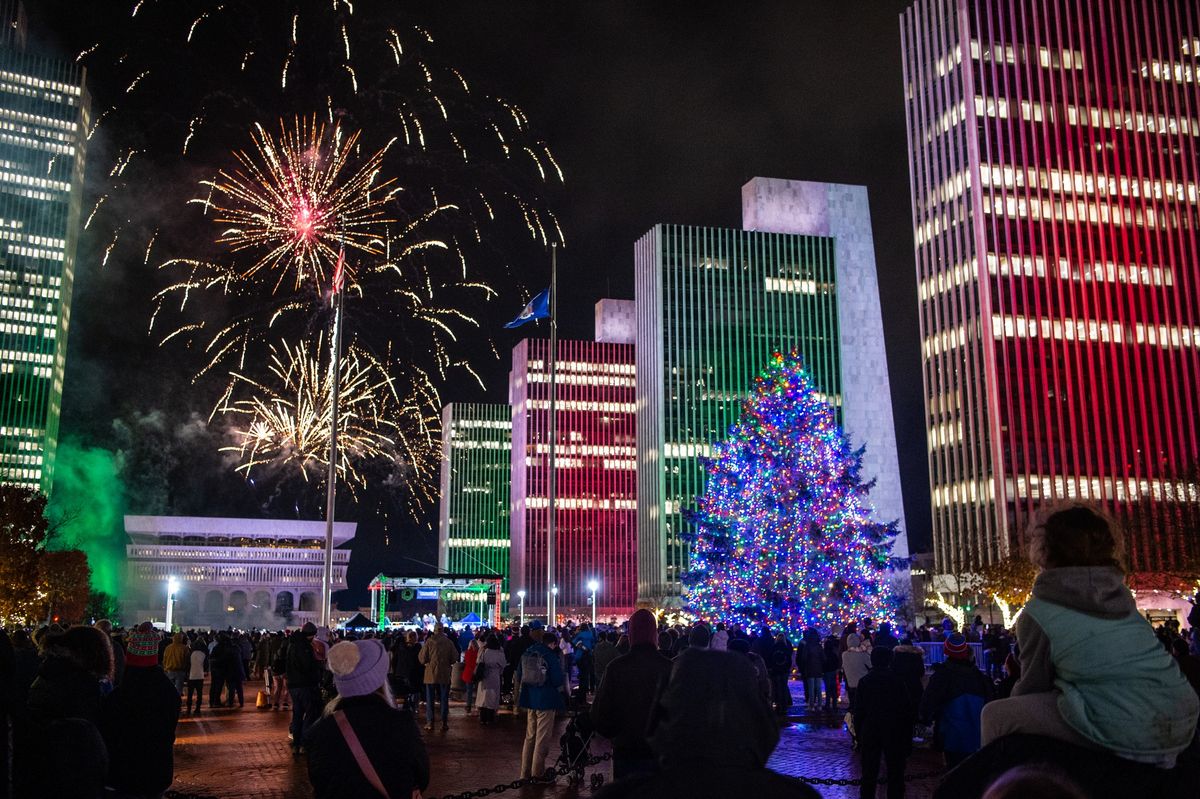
(244, 754)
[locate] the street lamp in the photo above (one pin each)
(593, 586)
(521, 596)
(172, 587)
(553, 607)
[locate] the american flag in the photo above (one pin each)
(339, 271)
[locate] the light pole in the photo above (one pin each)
(593, 586)
(553, 607)
(172, 587)
(521, 596)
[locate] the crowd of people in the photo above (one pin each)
(690, 709)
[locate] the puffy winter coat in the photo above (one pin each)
(390, 740)
(138, 724)
(469, 660)
(1118, 686)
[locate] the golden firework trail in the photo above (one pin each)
(284, 420)
(295, 201)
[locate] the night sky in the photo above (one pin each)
(657, 112)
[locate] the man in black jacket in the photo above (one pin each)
(712, 732)
(883, 722)
(625, 697)
(304, 684)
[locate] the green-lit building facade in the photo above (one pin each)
(713, 304)
(473, 520)
(44, 119)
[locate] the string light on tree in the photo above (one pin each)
(783, 535)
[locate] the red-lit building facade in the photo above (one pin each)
(596, 459)
(1054, 148)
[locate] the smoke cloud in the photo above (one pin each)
(88, 507)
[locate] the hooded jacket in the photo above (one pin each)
(715, 747)
(1081, 634)
(625, 698)
(303, 670)
(856, 660)
(175, 656)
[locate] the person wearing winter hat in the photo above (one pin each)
(64, 704)
(953, 701)
(363, 745)
(625, 697)
(955, 647)
(137, 721)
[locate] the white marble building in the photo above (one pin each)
(843, 212)
(231, 572)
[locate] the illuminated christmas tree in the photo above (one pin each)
(783, 534)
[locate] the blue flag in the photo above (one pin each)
(538, 308)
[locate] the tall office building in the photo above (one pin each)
(596, 459)
(43, 129)
(473, 528)
(712, 306)
(1053, 149)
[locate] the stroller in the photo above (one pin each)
(575, 751)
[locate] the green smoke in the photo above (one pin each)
(88, 503)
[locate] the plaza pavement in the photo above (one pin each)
(243, 754)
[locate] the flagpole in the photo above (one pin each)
(550, 531)
(331, 479)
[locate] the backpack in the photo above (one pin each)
(958, 725)
(533, 669)
(279, 663)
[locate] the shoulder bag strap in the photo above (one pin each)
(360, 756)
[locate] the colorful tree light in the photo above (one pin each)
(783, 535)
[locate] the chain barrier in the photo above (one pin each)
(597, 780)
(882, 780)
(548, 778)
(553, 774)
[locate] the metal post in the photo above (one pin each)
(172, 587)
(521, 596)
(594, 585)
(331, 492)
(550, 531)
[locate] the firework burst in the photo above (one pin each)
(296, 200)
(190, 80)
(284, 420)
(298, 206)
